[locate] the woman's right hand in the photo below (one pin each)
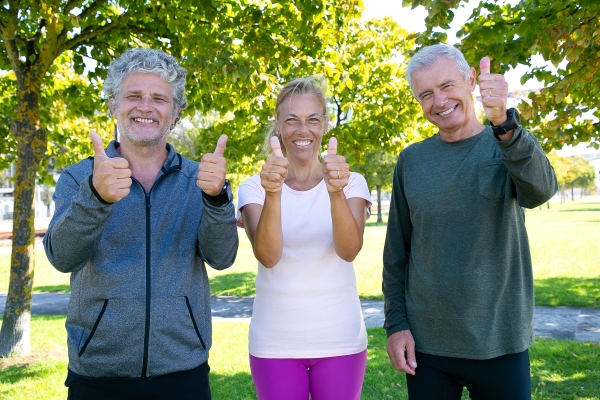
(275, 169)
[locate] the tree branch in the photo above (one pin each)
(91, 32)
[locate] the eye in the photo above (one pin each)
(448, 87)
(426, 96)
(291, 121)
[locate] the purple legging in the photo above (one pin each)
(329, 378)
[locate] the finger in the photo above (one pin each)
(332, 147)
(220, 150)
(276, 147)
(484, 65)
(97, 142)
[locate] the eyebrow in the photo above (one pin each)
(154, 94)
(310, 115)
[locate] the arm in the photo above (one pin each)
(348, 219)
(77, 224)
(263, 227)
(396, 254)
(217, 235)
(529, 169)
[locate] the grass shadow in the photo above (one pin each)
(576, 292)
(581, 209)
(233, 284)
(53, 288)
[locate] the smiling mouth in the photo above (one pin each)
(448, 111)
(302, 142)
(143, 120)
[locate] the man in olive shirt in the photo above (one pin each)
(457, 278)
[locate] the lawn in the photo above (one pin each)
(563, 238)
(560, 369)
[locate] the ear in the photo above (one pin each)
(176, 116)
(111, 107)
(472, 81)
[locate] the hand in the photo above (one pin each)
(212, 170)
(275, 169)
(494, 92)
(111, 177)
(335, 168)
(401, 350)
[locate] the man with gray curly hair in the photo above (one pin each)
(135, 226)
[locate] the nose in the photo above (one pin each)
(440, 99)
(145, 103)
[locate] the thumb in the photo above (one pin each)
(332, 147)
(221, 146)
(97, 142)
(484, 65)
(276, 147)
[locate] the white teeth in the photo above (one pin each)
(299, 143)
(447, 111)
(144, 120)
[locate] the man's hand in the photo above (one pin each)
(401, 350)
(335, 168)
(494, 92)
(111, 177)
(212, 170)
(275, 169)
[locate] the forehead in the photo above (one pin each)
(443, 70)
(301, 104)
(146, 83)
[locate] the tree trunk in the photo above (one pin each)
(32, 142)
(379, 219)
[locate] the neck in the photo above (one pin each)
(304, 176)
(464, 132)
(144, 162)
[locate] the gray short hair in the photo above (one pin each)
(314, 85)
(427, 56)
(147, 61)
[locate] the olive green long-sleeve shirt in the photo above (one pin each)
(457, 266)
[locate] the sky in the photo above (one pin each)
(414, 21)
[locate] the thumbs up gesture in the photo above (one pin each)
(111, 177)
(212, 169)
(335, 168)
(494, 92)
(275, 169)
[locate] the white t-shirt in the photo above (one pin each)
(307, 305)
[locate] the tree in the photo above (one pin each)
(229, 47)
(562, 168)
(564, 32)
(583, 174)
(378, 170)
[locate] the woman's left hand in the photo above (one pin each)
(335, 168)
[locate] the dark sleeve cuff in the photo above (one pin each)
(96, 193)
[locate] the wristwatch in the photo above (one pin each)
(513, 121)
(222, 198)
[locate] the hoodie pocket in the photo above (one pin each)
(115, 339)
(176, 340)
(492, 179)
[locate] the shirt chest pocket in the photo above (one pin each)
(492, 179)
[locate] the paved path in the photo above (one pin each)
(556, 322)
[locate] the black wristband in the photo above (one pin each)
(222, 198)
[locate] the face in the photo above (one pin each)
(301, 124)
(144, 109)
(444, 96)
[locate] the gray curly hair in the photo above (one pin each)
(428, 55)
(147, 61)
(314, 85)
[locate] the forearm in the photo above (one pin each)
(529, 168)
(268, 239)
(217, 236)
(347, 232)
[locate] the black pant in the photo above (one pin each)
(184, 385)
(443, 378)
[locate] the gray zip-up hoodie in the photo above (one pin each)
(140, 300)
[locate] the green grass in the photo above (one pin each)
(560, 369)
(563, 239)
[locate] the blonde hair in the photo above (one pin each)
(314, 85)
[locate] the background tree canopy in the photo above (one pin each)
(564, 32)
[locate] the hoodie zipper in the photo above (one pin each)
(148, 262)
